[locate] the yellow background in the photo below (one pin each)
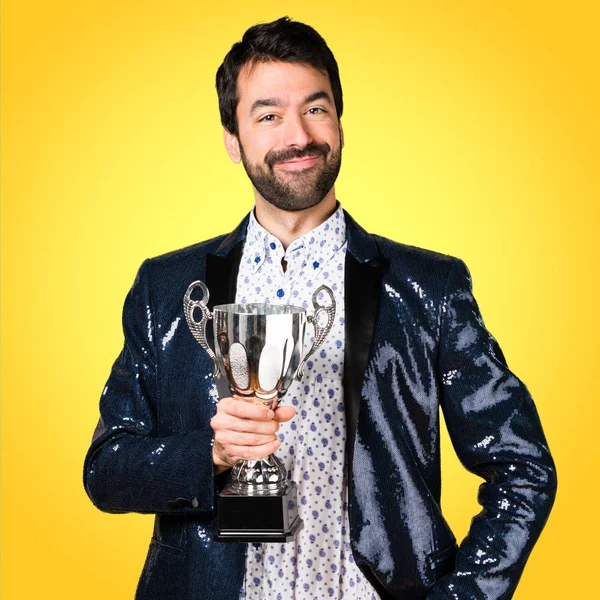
(471, 128)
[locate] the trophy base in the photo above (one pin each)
(268, 516)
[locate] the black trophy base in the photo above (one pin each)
(247, 517)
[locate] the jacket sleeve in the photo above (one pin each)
(496, 432)
(128, 467)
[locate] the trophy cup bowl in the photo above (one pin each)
(258, 350)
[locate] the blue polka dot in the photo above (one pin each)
(257, 259)
(273, 245)
(316, 265)
(280, 293)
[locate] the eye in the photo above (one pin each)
(315, 110)
(267, 118)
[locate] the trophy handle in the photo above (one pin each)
(198, 328)
(321, 332)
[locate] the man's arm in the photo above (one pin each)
(496, 432)
(128, 468)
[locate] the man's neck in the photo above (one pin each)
(287, 226)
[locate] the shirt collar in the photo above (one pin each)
(318, 245)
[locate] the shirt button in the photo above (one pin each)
(280, 293)
(273, 246)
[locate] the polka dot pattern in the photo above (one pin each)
(318, 563)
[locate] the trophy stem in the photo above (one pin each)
(259, 476)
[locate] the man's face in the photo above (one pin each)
(289, 135)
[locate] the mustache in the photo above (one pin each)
(273, 157)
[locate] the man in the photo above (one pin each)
(360, 435)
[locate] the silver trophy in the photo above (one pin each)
(258, 351)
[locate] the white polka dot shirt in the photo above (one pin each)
(318, 564)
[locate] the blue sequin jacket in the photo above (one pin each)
(415, 343)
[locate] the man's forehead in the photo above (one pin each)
(268, 78)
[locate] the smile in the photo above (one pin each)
(298, 164)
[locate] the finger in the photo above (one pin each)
(229, 422)
(227, 438)
(245, 410)
(253, 452)
(284, 413)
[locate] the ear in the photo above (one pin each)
(232, 145)
(341, 136)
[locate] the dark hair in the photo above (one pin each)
(282, 40)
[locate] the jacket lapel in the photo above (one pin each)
(221, 276)
(362, 289)
(222, 267)
(221, 280)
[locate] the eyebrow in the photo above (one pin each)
(266, 102)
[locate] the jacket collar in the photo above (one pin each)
(361, 244)
(234, 238)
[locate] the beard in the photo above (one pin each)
(295, 190)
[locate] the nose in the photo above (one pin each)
(296, 132)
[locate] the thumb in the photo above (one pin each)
(284, 413)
